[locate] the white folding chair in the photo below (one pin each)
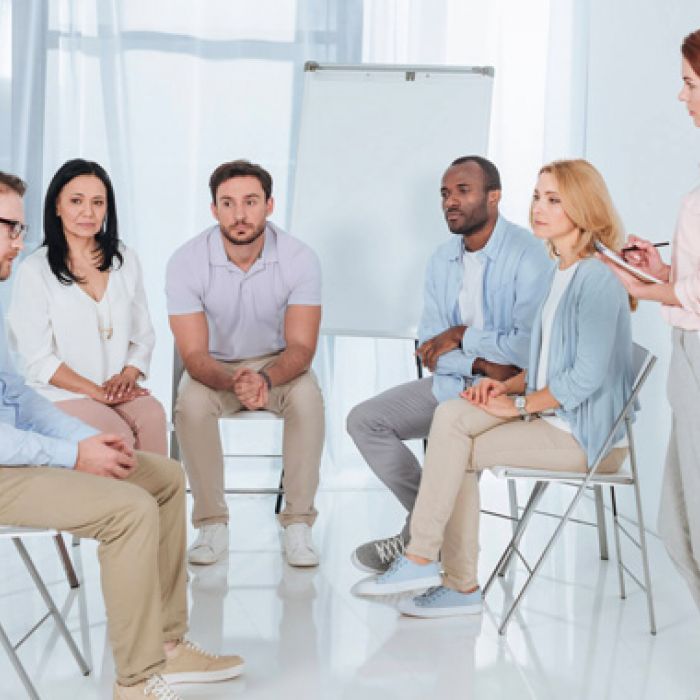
(178, 369)
(643, 363)
(16, 534)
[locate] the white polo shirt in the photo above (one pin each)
(244, 310)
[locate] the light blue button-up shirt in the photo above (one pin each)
(32, 430)
(515, 282)
(589, 370)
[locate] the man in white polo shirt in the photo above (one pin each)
(244, 302)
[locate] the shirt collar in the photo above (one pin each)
(492, 248)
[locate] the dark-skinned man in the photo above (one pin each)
(482, 289)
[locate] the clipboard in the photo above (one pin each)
(621, 262)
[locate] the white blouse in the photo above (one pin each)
(51, 323)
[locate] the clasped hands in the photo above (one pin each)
(121, 388)
(250, 388)
(491, 396)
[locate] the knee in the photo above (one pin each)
(140, 512)
(194, 402)
(449, 411)
(358, 420)
(154, 411)
(305, 399)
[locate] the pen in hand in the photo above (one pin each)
(634, 247)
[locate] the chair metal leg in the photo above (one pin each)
(537, 493)
(48, 601)
(532, 572)
(514, 514)
(66, 561)
(280, 495)
(618, 548)
(12, 654)
(600, 518)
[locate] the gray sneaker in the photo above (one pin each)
(376, 556)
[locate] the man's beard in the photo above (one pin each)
(476, 223)
(242, 241)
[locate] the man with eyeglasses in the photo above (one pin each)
(57, 472)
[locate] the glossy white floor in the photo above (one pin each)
(305, 635)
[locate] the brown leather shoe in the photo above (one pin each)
(190, 664)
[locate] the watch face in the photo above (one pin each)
(520, 402)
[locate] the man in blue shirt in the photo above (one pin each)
(482, 289)
(57, 472)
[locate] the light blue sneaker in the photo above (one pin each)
(403, 575)
(441, 601)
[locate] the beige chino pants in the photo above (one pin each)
(463, 441)
(140, 524)
(197, 412)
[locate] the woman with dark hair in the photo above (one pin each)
(78, 317)
(679, 294)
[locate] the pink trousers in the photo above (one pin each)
(141, 422)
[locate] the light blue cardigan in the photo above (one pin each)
(590, 370)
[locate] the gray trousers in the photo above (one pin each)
(380, 425)
(679, 512)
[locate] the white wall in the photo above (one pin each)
(642, 140)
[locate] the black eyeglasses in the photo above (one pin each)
(17, 228)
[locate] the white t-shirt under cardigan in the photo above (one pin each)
(560, 282)
(51, 323)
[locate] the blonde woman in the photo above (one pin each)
(79, 319)
(555, 416)
(679, 513)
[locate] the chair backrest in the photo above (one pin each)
(642, 362)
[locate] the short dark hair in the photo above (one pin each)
(240, 168)
(492, 178)
(12, 183)
(55, 240)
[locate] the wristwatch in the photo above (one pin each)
(266, 378)
(520, 403)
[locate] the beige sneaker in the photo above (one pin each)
(155, 687)
(190, 664)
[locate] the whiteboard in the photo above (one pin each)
(374, 142)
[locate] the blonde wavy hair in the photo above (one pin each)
(587, 202)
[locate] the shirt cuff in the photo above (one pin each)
(65, 454)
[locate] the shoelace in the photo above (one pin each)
(196, 648)
(433, 593)
(389, 548)
(158, 688)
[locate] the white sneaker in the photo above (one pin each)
(211, 544)
(298, 545)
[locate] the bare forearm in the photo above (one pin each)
(66, 378)
(541, 400)
(665, 293)
(206, 370)
(516, 384)
(289, 364)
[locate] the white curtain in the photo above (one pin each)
(160, 92)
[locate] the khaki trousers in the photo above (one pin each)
(197, 412)
(463, 441)
(140, 524)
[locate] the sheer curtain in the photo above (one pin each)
(160, 92)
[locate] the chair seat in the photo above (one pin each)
(616, 478)
(11, 531)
